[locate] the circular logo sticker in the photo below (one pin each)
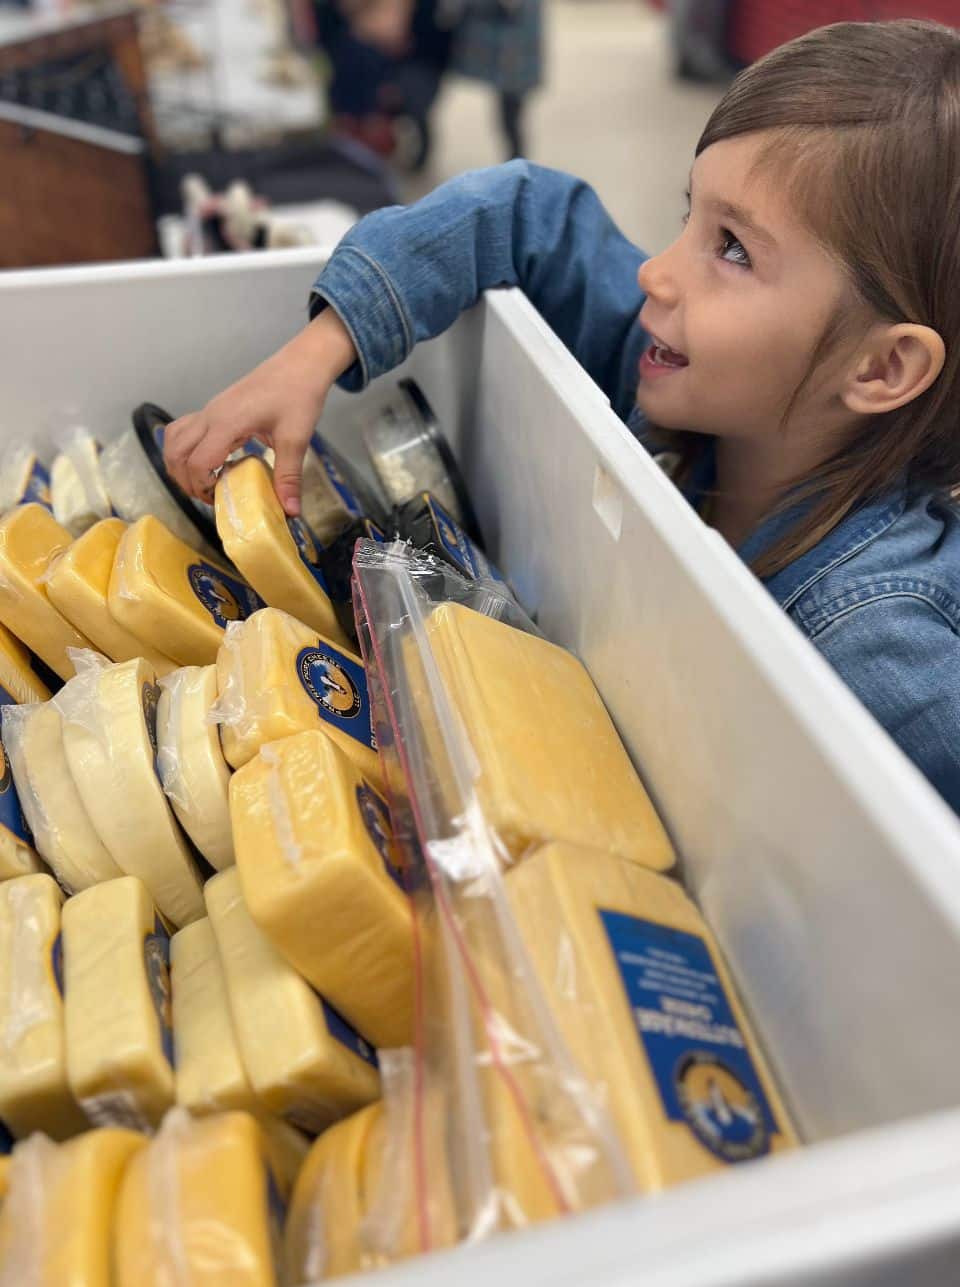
(724, 1114)
(328, 683)
(156, 961)
(149, 696)
(214, 593)
(6, 776)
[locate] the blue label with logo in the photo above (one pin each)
(225, 597)
(458, 544)
(276, 1212)
(308, 547)
(36, 489)
(347, 1035)
(149, 697)
(332, 469)
(156, 964)
(11, 815)
(700, 1061)
(56, 962)
(338, 687)
(376, 820)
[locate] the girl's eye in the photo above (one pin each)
(732, 250)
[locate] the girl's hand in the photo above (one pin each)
(385, 24)
(279, 403)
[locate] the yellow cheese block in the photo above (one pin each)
(61, 826)
(109, 735)
(550, 764)
(318, 869)
(276, 677)
(17, 674)
(305, 1063)
(56, 1227)
(276, 555)
(118, 1022)
(34, 1093)
(30, 539)
(5, 1161)
(163, 592)
(199, 1206)
(18, 857)
(77, 585)
(647, 1008)
(195, 776)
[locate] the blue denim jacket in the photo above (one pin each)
(879, 596)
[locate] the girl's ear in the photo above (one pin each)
(894, 365)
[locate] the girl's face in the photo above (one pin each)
(736, 307)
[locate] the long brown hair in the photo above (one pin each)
(865, 131)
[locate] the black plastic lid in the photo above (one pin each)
(468, 517)
(147, 418)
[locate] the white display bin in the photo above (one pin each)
(827, 867)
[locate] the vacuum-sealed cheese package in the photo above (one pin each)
(276, 677)
(320, 877)
(117, 1005)
(24, 478)
(34, 1090)
(109, 736)
(18, 856)
(191, 764)
(19, 670)
(78, 494)
(334, 493)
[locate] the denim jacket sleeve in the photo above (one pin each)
(901, 657)
(404, 274)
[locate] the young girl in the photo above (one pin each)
(797, 348)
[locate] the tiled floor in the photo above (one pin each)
(610, 112)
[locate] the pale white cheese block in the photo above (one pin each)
(77, 490)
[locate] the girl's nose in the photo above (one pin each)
(657, 280)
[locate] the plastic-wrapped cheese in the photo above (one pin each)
(319, 875)
(305, 1063)
(56, 1227)
(641, 995)
(58, 819)
(276, 677)
(550, 764)
(333, 492)
(166, 594)
(17, 673)
(17, 854)
(109, 735)
(30, 539)
(77, 585)
(77, 490)
(24, 479)
(34, 1093)
(277, 555)
(199, 1205)
(195, 776)
(117, 1004)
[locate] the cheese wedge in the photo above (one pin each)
(77, 492)
(277, 556)
(320, 878)
(109, 735)
(276, 677)
(162, 591)
(17, 672)
(195, 776)
(30, 539)
(549, 762)
(34, 1093)
(199, 1205)
(56, 1228)
(77, 585)
(117, 1005)
(61, 826)
(305, 1063)
(647, 1008)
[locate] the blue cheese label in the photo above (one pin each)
(225, 597)
(376, 820)
(458, 544)
(335, 477)
(56, 962)
(11, 815)
(6, 1140)
(348, 1036)
(338, 686)
(156, 964)
(308, 547)
(700, 1060)
(36, 487)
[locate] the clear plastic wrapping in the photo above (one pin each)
(24, 477)
(77, 491)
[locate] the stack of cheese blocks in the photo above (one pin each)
(237, 939)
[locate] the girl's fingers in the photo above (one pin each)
(207, 456)
(290, 445)
(179, 440)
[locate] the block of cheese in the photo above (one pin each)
(320, 877)
(56, 1227)
(24, 478)
(18, 857)
(17, 672)
(34, 1092)
(305, 1063)
(277, 556)
(195, 776)
(117, 1005)
(647, 1008)
(61, 827)
(550, 764)
(199, 1205)
(30, 539)
(109, 735)
(163, 592)
(77, 491)
(77, 585)
(334, 492)
(277, 677)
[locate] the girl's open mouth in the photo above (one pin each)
(659, 359)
